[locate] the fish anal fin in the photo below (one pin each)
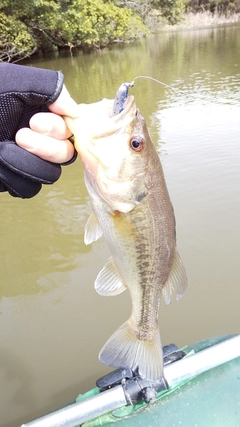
(93, 230)
(177, 280)
(108, 281)
(125, 350)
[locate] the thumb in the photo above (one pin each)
(65, 105)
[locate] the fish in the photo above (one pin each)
(132, 210)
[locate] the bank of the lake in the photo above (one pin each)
(34, 28)
(193, 21)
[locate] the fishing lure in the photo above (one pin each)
(121, 98)
(122, 93)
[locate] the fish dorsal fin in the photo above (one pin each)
(108, 281)
(93, 230)
(177, 280)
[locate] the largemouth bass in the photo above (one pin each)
(133, 211)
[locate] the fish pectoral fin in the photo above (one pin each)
(125, 350)
(93, 230)
(177, 280)
(108, 281)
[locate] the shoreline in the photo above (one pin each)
(196, 21)
(190, 22)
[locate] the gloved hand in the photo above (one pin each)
(25, 91)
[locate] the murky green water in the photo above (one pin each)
(52, 322)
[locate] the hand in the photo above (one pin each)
(48, 134)
(33, 136)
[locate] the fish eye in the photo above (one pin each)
(136, 144)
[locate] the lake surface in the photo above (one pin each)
(52, 322)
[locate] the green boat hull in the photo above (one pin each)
(211, 399)
(204, 391)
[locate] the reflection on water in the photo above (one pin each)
(52, 322)
(42, 235)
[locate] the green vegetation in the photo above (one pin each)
(224, 7)
(172, 10)
(45, 25)
(33, 26)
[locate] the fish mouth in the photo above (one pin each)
(129, 103)
(113, 122)
(97, 120)
(103, 123)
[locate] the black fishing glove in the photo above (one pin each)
(25, 91)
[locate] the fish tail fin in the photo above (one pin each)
(125, 350)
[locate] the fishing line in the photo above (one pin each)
(193, 97)
(155, 80)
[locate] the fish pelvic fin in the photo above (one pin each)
(108, 281)
(177, 280)
(125, 350)
(93, 230)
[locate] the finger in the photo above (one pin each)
(44, 146)
(50, 124)
(65, 105)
